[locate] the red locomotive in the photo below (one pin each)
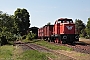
(63, 31)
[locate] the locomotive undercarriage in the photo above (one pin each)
(62, 38)
(65, 38)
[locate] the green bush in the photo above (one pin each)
(24, 37)
(87, 37)
(5, 37)
(3, 40)
(30, 36)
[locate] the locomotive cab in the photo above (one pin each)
(64, 31)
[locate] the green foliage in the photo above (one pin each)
(80, 26)
(83, 33)
(11, 25)
(48, 23)
(30, 36)
(88, 28)
(6, 28)
(24, 37)
(87, 37)
(22, 20)
(3, 40)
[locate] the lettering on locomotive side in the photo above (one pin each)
(69, 27)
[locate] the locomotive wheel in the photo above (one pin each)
(60, 42)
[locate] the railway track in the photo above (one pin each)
(78, 46)
(81, 48)
(28, 46)
(38, 47)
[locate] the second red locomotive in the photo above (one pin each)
(63, 31)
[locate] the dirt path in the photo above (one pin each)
(85, 40)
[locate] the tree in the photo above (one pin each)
(88, 28)
(79, 26)
(22, 20)
(6, 27)
(48, 23)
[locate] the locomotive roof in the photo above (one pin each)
(48, 25)
(64, 19)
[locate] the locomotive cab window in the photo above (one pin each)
(68, 21)
(71, 21)
(61, 21)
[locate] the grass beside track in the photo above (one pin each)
(33, 55)
(9, 52)
(50, 46)
(62, 50)
(6, 52)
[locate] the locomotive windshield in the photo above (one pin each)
(65, 21)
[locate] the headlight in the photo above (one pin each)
(64, 37)
(77, 37)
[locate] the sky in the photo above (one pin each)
(44, 11)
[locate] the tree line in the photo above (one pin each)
(15, 26)
(82, 28)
